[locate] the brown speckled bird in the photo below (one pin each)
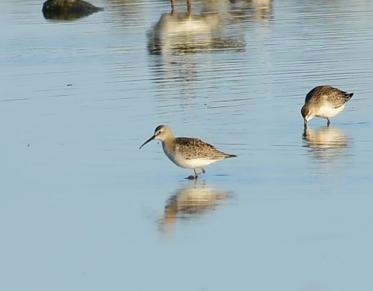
(186, 152)
(325, 102)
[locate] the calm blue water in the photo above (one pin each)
(81, 208)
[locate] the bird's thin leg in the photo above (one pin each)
(195, 174)
(305, 124)
(189, 7)
(328, 122)
(173, 11)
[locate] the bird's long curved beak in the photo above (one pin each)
(305, 132)
(150, 139)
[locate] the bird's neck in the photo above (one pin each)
(168, 144)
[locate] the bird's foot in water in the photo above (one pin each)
(192, 177)
(196, 174)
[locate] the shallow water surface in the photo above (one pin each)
(82, 208)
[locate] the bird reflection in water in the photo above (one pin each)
(183, 33)
(326, 142)
(191, 201)
(256, 10)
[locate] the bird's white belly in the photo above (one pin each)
(188, 163)
(329, 111)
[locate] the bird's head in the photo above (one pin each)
(306, 114)
(162, 132)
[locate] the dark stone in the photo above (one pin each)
(68, 9)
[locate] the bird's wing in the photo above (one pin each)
(194, 148)
(328, 94)
(313, 94)
(338, 97)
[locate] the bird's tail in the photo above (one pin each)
(348, 96)
(227, 156)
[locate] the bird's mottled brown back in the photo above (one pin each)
(194, 148)
(321, 94)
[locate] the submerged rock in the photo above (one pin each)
(68, 9)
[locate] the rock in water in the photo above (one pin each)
(68, 9)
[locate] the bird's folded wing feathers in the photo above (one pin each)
(194, 148)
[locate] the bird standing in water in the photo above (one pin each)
(186, 152)
(324, 102)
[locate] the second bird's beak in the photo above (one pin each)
(150, 139)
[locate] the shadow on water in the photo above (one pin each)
(181, 33)
(325, 143)
(191, 201)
